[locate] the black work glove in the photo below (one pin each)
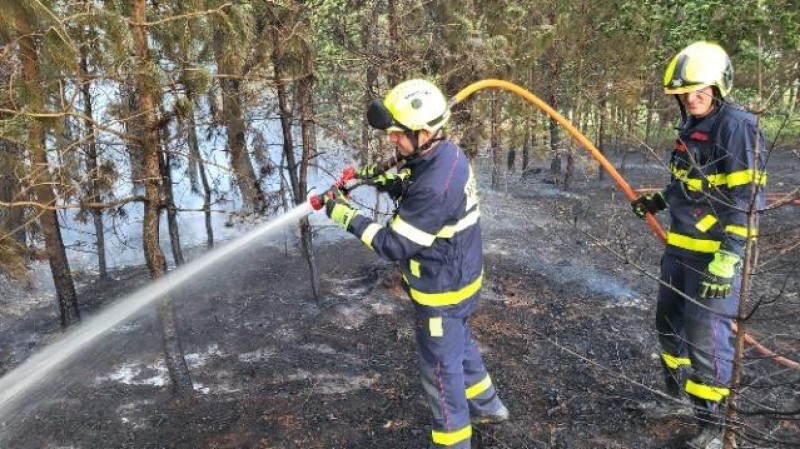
(650, 203)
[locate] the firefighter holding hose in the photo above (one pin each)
(435, 236)
(716, 164)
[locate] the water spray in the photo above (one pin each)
(46, 361)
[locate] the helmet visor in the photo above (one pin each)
(379, 117)
(688, 77)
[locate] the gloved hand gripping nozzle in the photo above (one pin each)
(351, 179)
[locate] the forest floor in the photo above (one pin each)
(565, 327)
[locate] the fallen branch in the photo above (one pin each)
(766, 352)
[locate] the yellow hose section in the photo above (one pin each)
(536, 101)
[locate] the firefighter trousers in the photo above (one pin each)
(454, 378)
(696, 337)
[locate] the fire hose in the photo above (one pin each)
(347, 181)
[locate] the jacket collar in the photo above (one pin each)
(706, 123)
(431, 155)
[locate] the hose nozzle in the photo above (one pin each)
(347, 182)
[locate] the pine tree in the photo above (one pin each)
(40, 179)
(154, 256)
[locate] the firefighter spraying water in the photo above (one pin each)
(435, 236)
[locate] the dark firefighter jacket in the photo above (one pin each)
(713, 168)
(434, 234)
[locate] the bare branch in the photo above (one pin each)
(91, 205)
(190, 15)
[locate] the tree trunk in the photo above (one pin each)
(154, 256)
(179, 374)
(246, 179)
(194, 152)
(284, 111)
(630, 121)
(164, 165)
(12, 219)
(494, 140)
(555, 163)
(749, 268)
(133, 123)
(569, 174)
(253, 199)
(578, 96)
(297, 180)
(168, 202)
(601, 133)
(396, 70)
(553, 65)
(529, 142)
(306, 104)
(92, 166)
(619, 130)
(648, 122)
(370, 44)
(469, 140)
(526, 147)
(41, 180)
(511, 155)
(530, 126)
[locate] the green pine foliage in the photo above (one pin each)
(607, 57)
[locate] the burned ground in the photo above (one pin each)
(565, 326)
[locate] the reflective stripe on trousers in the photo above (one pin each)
(687, 330)
(451, 370)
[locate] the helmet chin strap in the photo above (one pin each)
(684, 115)
(718, 100)
(419, 149)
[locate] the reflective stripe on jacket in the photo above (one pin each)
(713, 170)
(435, 233)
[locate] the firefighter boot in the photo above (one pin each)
(678, 406)
(502, 414)
(710, 437)
(711, 418)
(674, 380)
